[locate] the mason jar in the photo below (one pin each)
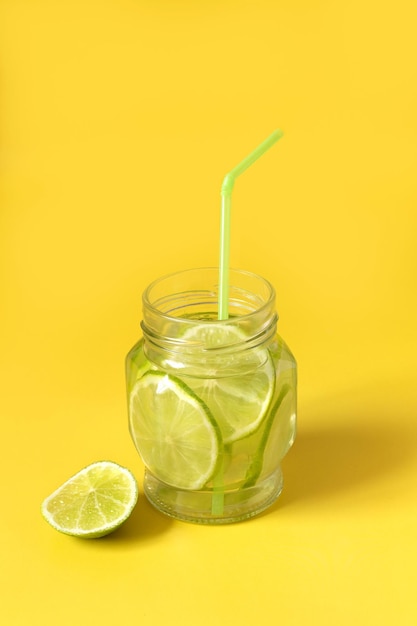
(211, 403)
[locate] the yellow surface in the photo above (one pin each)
(119, 119)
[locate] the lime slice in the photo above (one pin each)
(239, 400)
(276, 438)
(136, 364)
(173, 431)
(94, 502)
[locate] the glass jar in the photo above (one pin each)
(212, 403)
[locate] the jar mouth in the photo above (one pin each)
(181, 328)
(192, 296)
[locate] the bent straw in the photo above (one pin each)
(217, 502)
(226, 194)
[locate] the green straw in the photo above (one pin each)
(217, 502)
(226, 193)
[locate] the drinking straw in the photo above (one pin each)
(217, 502)
(226, 195)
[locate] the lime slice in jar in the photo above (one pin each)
(277, 436)
(136, 365)
(174, 431)
(240, 391)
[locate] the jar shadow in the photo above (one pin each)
(329, 460)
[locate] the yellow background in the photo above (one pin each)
(118, 121)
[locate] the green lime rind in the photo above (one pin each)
(174, 431)
(255, 468)
(94, 502)
(136, 364)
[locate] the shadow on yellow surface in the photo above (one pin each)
(352, 455)
(349, 455)
(144, 524)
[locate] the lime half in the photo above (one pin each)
(94, 502)
(240, 399)
(174, 431)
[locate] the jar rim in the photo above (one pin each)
(269, 298)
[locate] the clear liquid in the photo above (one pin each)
(248, 476)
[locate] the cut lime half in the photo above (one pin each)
(240, 399)
(93, 502)
(174, 431)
